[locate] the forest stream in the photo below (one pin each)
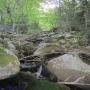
(40, 67)
(44, 44)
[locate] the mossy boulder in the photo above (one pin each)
(9, 64)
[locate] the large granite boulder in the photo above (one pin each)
(70, 68)
(9, 64)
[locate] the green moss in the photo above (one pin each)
(2, 51)
(5, 58)
(47, 85)
(31, 83)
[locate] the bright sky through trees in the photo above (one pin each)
(48, 4)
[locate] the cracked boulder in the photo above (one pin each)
(71, 69)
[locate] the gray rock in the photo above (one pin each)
(70, 68)
(11, 47)
(9, 64)
(44, 48)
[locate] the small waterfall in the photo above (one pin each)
(38, 73)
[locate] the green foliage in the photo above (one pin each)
(75, 15)
(46, 85)
(71, 15)
(47, 20)
(82, 38)
(13, 11)
(5, 58)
